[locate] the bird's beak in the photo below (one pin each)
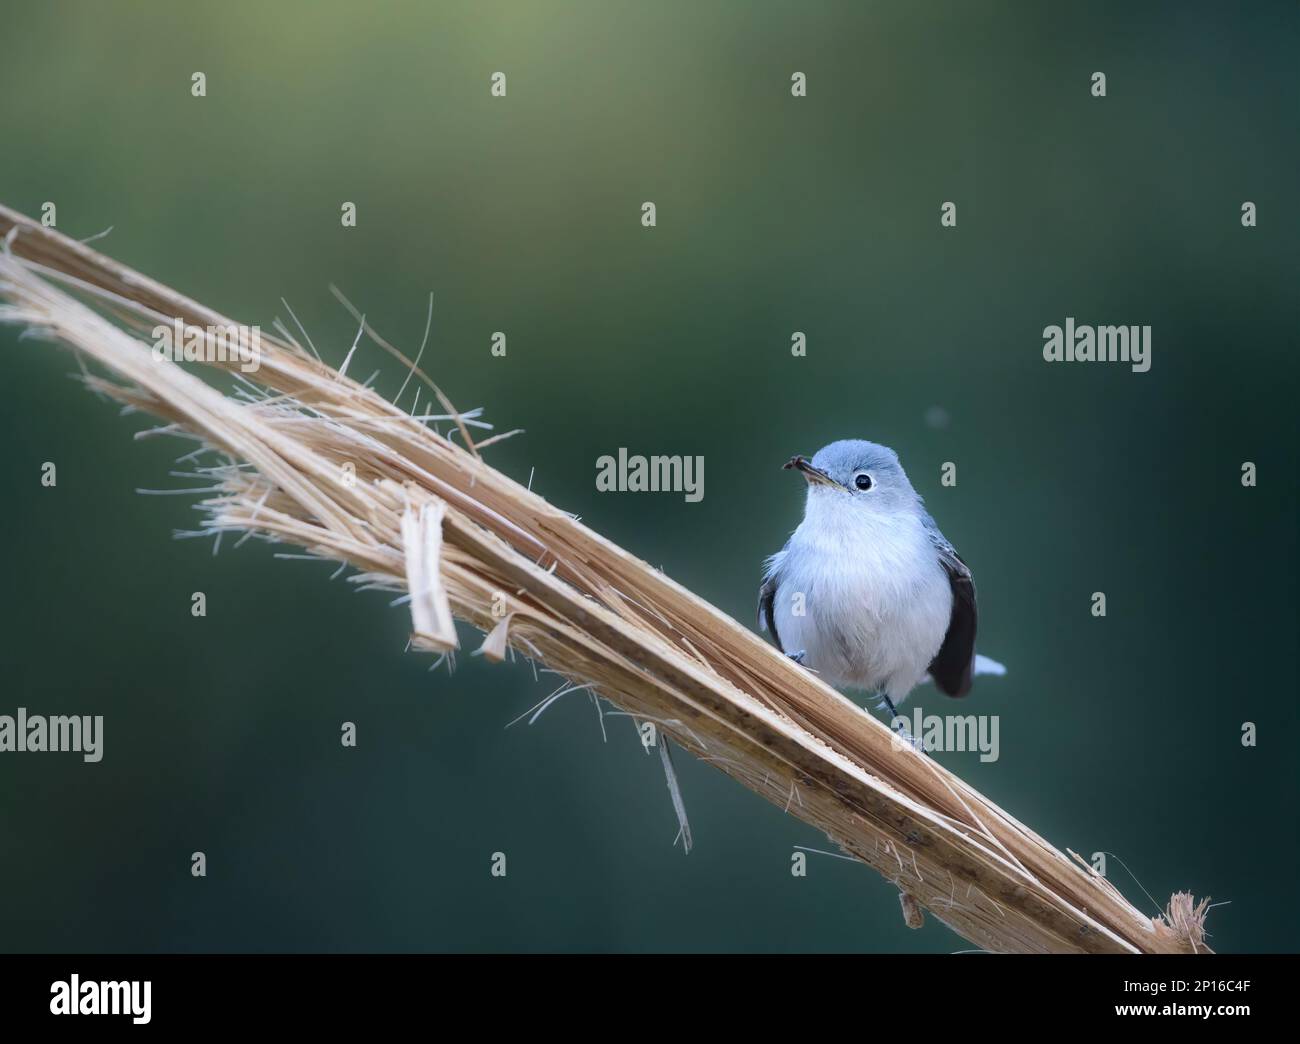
(813, 476)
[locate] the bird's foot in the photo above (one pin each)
(903, 738)
(798, 657)
(903, 735)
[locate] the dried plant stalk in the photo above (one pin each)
(317, 460)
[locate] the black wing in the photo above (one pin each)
(766, 617)
(954, 664)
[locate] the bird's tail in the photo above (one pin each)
(983, 665)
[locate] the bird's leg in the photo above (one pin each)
(898, 723)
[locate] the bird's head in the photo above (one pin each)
(856, 475)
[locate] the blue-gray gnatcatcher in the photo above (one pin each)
(867, 592)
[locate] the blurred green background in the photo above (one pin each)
(775, 214)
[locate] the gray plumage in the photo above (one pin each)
(867, 591)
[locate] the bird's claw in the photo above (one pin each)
(903, 737)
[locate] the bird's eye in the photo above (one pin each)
(862, 480)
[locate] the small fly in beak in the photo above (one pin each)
(813, 476)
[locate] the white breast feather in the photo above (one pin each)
(876, 600)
